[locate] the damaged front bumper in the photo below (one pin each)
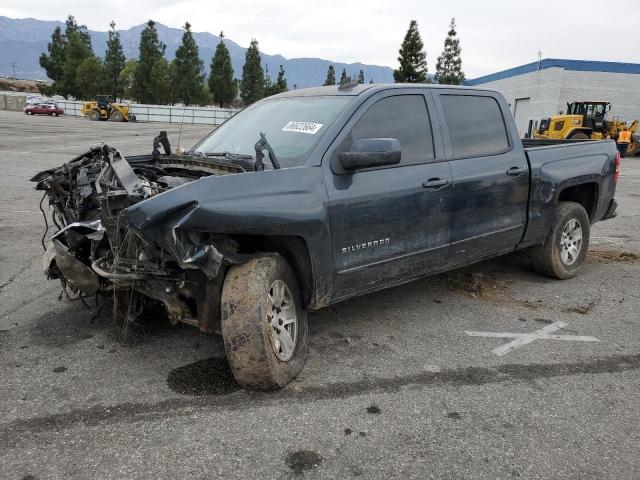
(97, 248)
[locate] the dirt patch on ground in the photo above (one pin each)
(611, 256)
(474, 284)
(581, 309)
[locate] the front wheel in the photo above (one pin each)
(579, 136)
(566, 245)
(264, 326)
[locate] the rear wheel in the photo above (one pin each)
(566, 245)
(116, 116)
(29, 112)
(263, 323)
(94, 115)
(579, 136)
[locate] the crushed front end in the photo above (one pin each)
(96, 251)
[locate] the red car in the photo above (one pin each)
(44, 109)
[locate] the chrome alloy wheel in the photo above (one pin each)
(571, 242)
(281, 317)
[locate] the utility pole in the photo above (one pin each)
(13, 64)
(539, 59)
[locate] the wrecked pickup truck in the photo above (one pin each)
(314, 196)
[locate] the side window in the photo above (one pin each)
(403, 117)
(476, 125)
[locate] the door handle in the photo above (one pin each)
(515, 171)
(435, 183)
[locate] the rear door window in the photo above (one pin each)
(403, 117)
(476, 125)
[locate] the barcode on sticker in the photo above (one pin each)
(302, 127)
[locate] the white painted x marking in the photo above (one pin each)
(520, 339)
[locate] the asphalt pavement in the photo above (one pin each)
(486, 372)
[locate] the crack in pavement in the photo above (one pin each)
(14, 276)
(20, 430)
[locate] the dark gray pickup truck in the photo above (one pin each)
(314, 196)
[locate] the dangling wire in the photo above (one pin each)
(46, 223)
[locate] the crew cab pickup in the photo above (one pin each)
(310, 197)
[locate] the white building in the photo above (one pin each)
(541, 89)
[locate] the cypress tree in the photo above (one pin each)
(188, 69)
(160, 82)
(361, 76)
(222, 85)
(53, 62)
(449, 66)
(412, 59)
(151, 50)
(252, 83)
(331, 76)
(343, 77)
(114, 61)
(90, 77)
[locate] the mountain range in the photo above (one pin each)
(22, 40)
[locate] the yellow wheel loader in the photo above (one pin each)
(586, 120)
(104, 108)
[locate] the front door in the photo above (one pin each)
(389, 223)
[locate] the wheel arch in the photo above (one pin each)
(293, 248)
(586, 194)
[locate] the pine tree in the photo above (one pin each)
(252, 83)
(114, 61)
(222, 85)
(151, 50)
(343, 77)
(77, 50)
(331, 76)
(361, 76)
(449, 66)
(90, 78)
(53, 62)
(268, 86)
(412, 59)
(188, 69)
(281, 81)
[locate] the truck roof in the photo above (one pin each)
(357, 89)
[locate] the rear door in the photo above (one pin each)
(490, 175)
(390, 223)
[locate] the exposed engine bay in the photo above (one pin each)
(95, 250)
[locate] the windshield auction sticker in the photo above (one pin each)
(302, 127)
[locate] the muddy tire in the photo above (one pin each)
(116, 116)
(566, 245)
(93, 115)
(264, 326)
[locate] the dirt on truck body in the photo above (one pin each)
(362, 187)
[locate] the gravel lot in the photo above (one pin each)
(394, 386)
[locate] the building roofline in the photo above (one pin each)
(577, 65)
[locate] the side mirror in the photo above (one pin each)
(371, 152)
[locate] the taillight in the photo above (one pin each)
(616, 175)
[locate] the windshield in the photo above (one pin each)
(291, 125)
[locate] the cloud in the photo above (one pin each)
(494, 34)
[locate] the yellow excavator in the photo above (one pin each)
(104, 108)
(587, 120)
